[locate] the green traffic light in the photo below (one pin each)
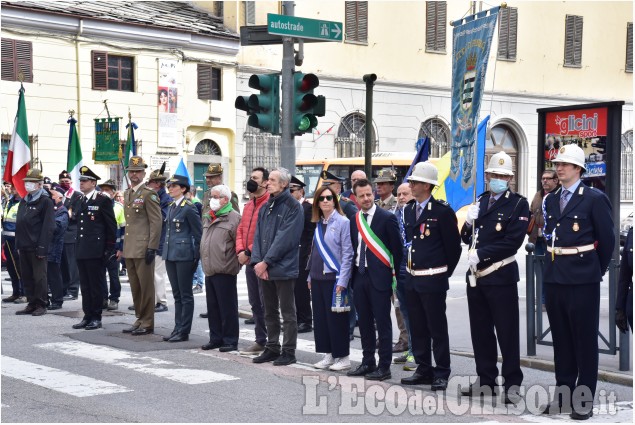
(305, 123)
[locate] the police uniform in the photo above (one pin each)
(96, 234)
(160, 272)
(215, 170)
(434, 249)
(493, 302)
(143, 232)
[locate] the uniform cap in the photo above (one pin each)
(86, 173)
(425, 172)
(180, 180)
(328, 178)
(386, 175)
(136, 163)
(109, 183)
(156, 175)
(34, 175)
(296, 182)
(64, 175)
(500, 163)
(214, 170)
(47, 180)
(571, 154)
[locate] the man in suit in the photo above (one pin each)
(500, 217)
(302, 293)
(143, 232)
(580, 243)
(70, 272)
(95, 247)
(373, 279)
(434, 249)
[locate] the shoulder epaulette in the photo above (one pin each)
(483, 194)
(188, 202)
(442, 202)
(412, 201)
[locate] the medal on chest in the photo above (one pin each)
(575, 227)
(499, 227)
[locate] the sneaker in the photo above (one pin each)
(326, 361)
(39, 311)
(10, 299)
(20, 300)
(342, 363)
(266, 356)
(255, 348)
(197, 289)
(401, 359)
(285, 359)
(410, 363)
(113, 305)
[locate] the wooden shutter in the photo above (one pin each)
(204, 82)
(100, 70)
(356, 21)
(629, 47)
(507, 33)
(250, 13)
(436, 25)
(573, 41)
(350, 20)
(8, 59)
(362, 21)
(17, 56)
(216, 84)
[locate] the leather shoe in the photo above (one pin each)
(379, 375)
(581, 416)
(228, 348)
(142, 331)
(82, 324)
(130, 330)
(417, 379)
(304, 328)
(211, 346)
(554, 409)
(266, 356)
(439, 384)
(54, 307)
(400, 347)
(179, 337)
(475, 390)
(159, 308)
(250, 321)
(167, 338)
(362, 370)
(131, 307)
(94, 324)
(204, 315)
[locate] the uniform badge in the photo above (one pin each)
(499, 227)
(576, 227)
(427, 232)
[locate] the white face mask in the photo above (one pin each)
(30, 186)
(214, 204)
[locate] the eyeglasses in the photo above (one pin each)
(544, 179)
(325, 198)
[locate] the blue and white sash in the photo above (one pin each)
(340, 302)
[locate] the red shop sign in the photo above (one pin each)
(584, 123)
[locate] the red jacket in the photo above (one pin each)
(247, 227)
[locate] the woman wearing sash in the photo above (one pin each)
(329, 268)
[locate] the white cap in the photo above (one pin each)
(425, 172)
(500, 163)
(572, 154)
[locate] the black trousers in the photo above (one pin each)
(330, 329)
(373, 308)
(91, 281)
(574, 315)
(279, 300)
(303, 296)
(221, 295)
(494, 315)
(256, 301)
(112, 266)
(180, 274)
(429, 332)
(54, 279)
(13, 265)
(70, 271)
(33, 273)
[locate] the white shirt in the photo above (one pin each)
(90, 195)
(371, 213)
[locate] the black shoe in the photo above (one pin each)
(266, 356)
(10, 299)
(581, 416)
(179, 338)
(54, 307)
(82, 324)
(159, 308)
(104, 305)
(94, 324)
(554, 409)
(285, 359)
(304, 328)
(379, 375)
(29, 309)
(476, 390)
(417, 379)
(130, 330)
(439, 384)
(204, 315)
(167, 338)
(211, 346)
(228, 348)
(69, 297)
(39, 311)
(362, 370)
(247, 321)
(131, 307)
(142, 331)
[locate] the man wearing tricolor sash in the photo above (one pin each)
(378, 249)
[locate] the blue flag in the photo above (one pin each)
(181, 170)
(423, 147)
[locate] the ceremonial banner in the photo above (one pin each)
(472, 38)
(19, 154)
(167, 104)
(106, 140)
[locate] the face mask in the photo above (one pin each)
(497, 185)
(214, 204)
(65, 186)
(252, 186)
(30, 186)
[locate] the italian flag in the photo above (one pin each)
(74, 160)
(19, 155)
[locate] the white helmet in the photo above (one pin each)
(425, 172)
(571, 154)
(500, 163)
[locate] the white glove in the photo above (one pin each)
(472, 213)
(472, 258)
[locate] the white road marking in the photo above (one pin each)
(58, 380)
(137, 362)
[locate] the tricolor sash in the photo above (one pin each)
(375, 245)
(340, 302)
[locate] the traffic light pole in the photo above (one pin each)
(369, 79)
(287, 148)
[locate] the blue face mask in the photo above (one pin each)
(497, 185)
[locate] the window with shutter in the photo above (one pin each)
(209, 82)
(629, 47)
(356, 21)
(219, 9)
(112, 72)
(573, 41)
(507, 33)
(17, 57)
(100, 70)
(250, 13)
(436, 26)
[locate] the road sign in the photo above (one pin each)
(293, 26)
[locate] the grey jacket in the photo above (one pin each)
(338, 240)
(218, 246)
(277, 238)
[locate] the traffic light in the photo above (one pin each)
(306, 105)
(263, 109)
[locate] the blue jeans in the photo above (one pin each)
(199, 278)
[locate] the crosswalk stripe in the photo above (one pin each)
(139, 363)
(58, 380)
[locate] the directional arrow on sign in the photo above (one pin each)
(337, 31)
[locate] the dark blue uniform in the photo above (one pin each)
(434, 242)
(624, 300)
(572, 282)
(493, 302)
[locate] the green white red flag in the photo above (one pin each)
(74, 160)
(19, 155)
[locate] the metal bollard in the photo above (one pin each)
(530, 300)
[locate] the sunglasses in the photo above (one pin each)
(325, 198)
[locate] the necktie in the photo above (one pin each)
(492, 201)
(362, 253)
(564, 198)
(419, 211)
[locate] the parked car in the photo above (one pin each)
(625, 225)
